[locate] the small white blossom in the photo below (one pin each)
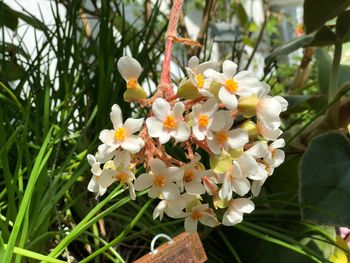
(192, 178)
(122, 134)
(94, 185)
(206, 118)
(167, 123)
(201, 213)
(130, 69)
(160, 181)
(236, 209)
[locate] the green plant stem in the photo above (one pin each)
(230, 247)
(34, 255)
(82, 225)
(121, 235)
(334, 79)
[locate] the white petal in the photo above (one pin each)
(116, 116)
(96, 169)
(122, 158)
(93, 185)
(209, 107)
(241, 186)
(174, 174)
(107, 137)
(248, 165)
(143, 181)
(214, 145)
(217, 122)
(194, 188)
(269, 109)
(256, 187)
(132, 125)
(214, 75)
(161, 108)
(158, 166)
(227, 98)
(197, 110)
(170, 191)
(154, 192)
(91, 159)
(154, 126)
(277, 144)
(183, 132)
(105, 153)
(207, 65)
(132, 144)
(159, 210)
(258, 150)
(232, 217)
(237, 138)
(190, 225)
(283, 102)
(191, 75)
(226, 189)
(178, 109)
(164, 137)
(229, 69)
(209, 220)
(278, 158)
(132, 191)
(129, 67)
(107, 178)
(193, 63)
(243, 205)
(198, 133)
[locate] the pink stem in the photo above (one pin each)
(165, 80)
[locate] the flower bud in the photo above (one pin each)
(214, 88)
(250, 127)
(247, 106)
(132, 94)
(187, 90)
(235, 153)
(220, 163)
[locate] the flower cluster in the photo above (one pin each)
(225, 117)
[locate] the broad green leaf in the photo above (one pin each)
(324, 37)
(343, 26)
(318, 12)
(324, 65)
(325, 180)
(241, 14)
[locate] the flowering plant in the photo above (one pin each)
(225, 116)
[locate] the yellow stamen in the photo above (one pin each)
(222, 137)
(169, 122)
(231, 85)
(131, 83)
(121, 177)
(200, 80)
(188, 176)
(119, 134)
(196, 215)
(159, 181)
(203, 120)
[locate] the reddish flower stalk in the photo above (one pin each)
(165, 80)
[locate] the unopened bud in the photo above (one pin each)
(220, 163)
(247, 106)
(187, 90)
(250, 127)
(137, 93)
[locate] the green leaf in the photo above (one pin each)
(325, 180)
(324, 37)
(7, 18)
(343, 26)
(10, 71)
(317, 12)
(241, 14)
(288, 48)
(324, 65)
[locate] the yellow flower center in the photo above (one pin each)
(121, 177)
(131, 83)
(196, 215)
(200, 80)
(188, 176)
(119, 134)
(222, 137)
(203, 120)
(231, 85)
(169, 122)
(159, 181)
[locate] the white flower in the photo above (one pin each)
(275, 156)
(206, 118)
(104, 153)
(269, 131)
(249, 167)
(192, 178)
(234, 181)
(160, 181)
(195, 73)
(119, 172)
(173, 208)
(167, 123)
(243, 83)
(94, 184)
(201, 213)
(235, 210)
(122, 134)
(130, 69)
(225, 139)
